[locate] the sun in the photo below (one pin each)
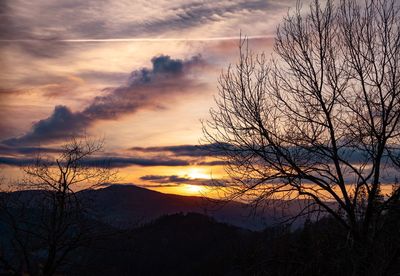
(196, 173)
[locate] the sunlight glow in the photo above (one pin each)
(194, 189)
(196, 173)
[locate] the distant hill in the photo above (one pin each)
(128, 205)
(179, 244)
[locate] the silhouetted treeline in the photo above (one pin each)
(194, 244)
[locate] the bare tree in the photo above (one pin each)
(320, 119)
(46, 217)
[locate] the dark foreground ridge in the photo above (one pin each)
(194, 244)
(132, 236)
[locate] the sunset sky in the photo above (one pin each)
(140, 74)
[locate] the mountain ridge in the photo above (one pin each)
(126, 205)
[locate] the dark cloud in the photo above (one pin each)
(221, 150)
(212, 163)
(4, 149)
(138, 185)
(63, 123)
(166, 78)
(175, 179)
(164, 178)
(147, 186)
(185, 150)
(11, 161)
(146, 87)
(109, 162)
(198, 152)
(120, 162)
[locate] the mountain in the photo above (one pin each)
(178, 244)
(187, 243)
(129, 206)
(125, 206)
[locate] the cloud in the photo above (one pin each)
(146, 88)
(73, 19)
(185, 150)
(120, 162)
(221, 150)
(195, 14)
(11, 161)
(62, 123)
(109, 162)
(147, 186)
(4, 149)
(197, 152)
(45, 28)
(175, 179)
(212, 163)
(166, 77)
(164, 178)
(101, 76)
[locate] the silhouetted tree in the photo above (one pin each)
(320, 120)
(46, 219)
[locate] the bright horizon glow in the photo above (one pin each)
(197, 173)
(194, 189)
(184, 190)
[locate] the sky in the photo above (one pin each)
(139, 74)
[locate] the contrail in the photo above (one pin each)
(138, 39)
